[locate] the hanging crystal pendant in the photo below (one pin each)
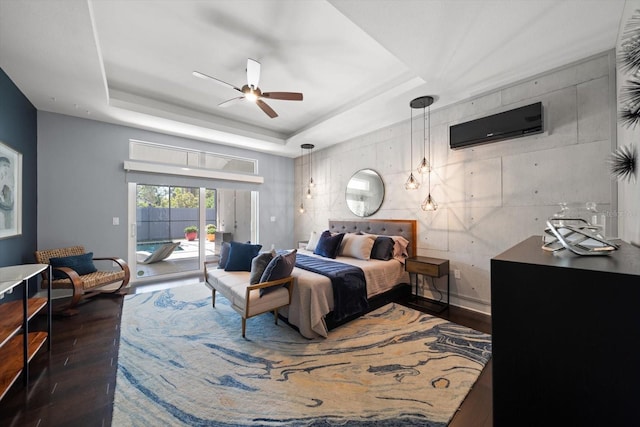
(429, 204)
(424, 166)
(412, 183)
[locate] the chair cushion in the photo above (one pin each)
(240, 256)
(81, 264)
(280, 267)
(91, 280)
(328, 245)
(258, 265)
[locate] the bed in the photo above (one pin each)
(312, 309)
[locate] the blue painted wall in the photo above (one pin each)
(19, 130)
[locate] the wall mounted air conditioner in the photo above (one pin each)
(510, 124)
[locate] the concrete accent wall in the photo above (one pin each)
(490, 196)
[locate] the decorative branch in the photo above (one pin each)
(630, 103)
(629, 56)
(623, 163)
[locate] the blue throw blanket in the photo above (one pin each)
(348, 282)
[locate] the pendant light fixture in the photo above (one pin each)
(301, 177)
(429, 204)
(412, 183)
(424, 102)
(311, 183)
(309, 147)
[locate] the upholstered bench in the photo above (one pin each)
(73, 268)
(246, 298)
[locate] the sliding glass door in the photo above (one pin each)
(167, 225)
(175, 228)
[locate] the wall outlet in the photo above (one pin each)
(456, 274)
(116, 220)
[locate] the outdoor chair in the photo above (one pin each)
(163, 252)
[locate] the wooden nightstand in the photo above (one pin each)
(430, 267)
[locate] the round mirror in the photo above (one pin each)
(365, 192)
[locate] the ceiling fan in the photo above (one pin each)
(251, 91)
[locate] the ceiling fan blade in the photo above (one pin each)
(220, 82)
(231, 101)
(263, 105)
(287, 96)
(253, 73)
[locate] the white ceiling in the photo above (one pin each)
(357, 62)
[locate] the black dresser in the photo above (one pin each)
(565, 332)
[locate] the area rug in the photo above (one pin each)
(182, 362)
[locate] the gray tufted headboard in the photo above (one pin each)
(406, 228)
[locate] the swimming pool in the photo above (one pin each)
(152, 246)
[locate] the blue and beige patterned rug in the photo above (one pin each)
(183, 363)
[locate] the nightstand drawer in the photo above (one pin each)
(433, 267)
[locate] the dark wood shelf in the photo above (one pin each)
(15, 351)
(12, 358)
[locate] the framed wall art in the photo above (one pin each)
(10, 192)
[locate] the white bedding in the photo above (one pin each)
(312, 296)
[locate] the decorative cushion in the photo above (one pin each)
(357, 246)
(240, 256)
(400, 248)
(328, 245)
(224, 254)
(81, 264)
(382, 248)
(259, 264)
(313, 241)
(280, 267)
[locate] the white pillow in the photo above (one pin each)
(313, 241)
(358, 245)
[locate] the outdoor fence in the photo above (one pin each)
(159, 224)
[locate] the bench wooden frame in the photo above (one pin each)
(245, 309)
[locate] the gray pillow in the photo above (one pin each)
(224, 254)
(279, 267)
(258, 265)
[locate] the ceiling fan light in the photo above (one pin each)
(251, 96)
(412, 183)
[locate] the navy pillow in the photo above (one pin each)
(280, 267)
(258, 265)
(224, 254)
(240, 256)
(382, 248)
(328, 245)
(81, 264)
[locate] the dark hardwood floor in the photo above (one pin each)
(73, 384)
